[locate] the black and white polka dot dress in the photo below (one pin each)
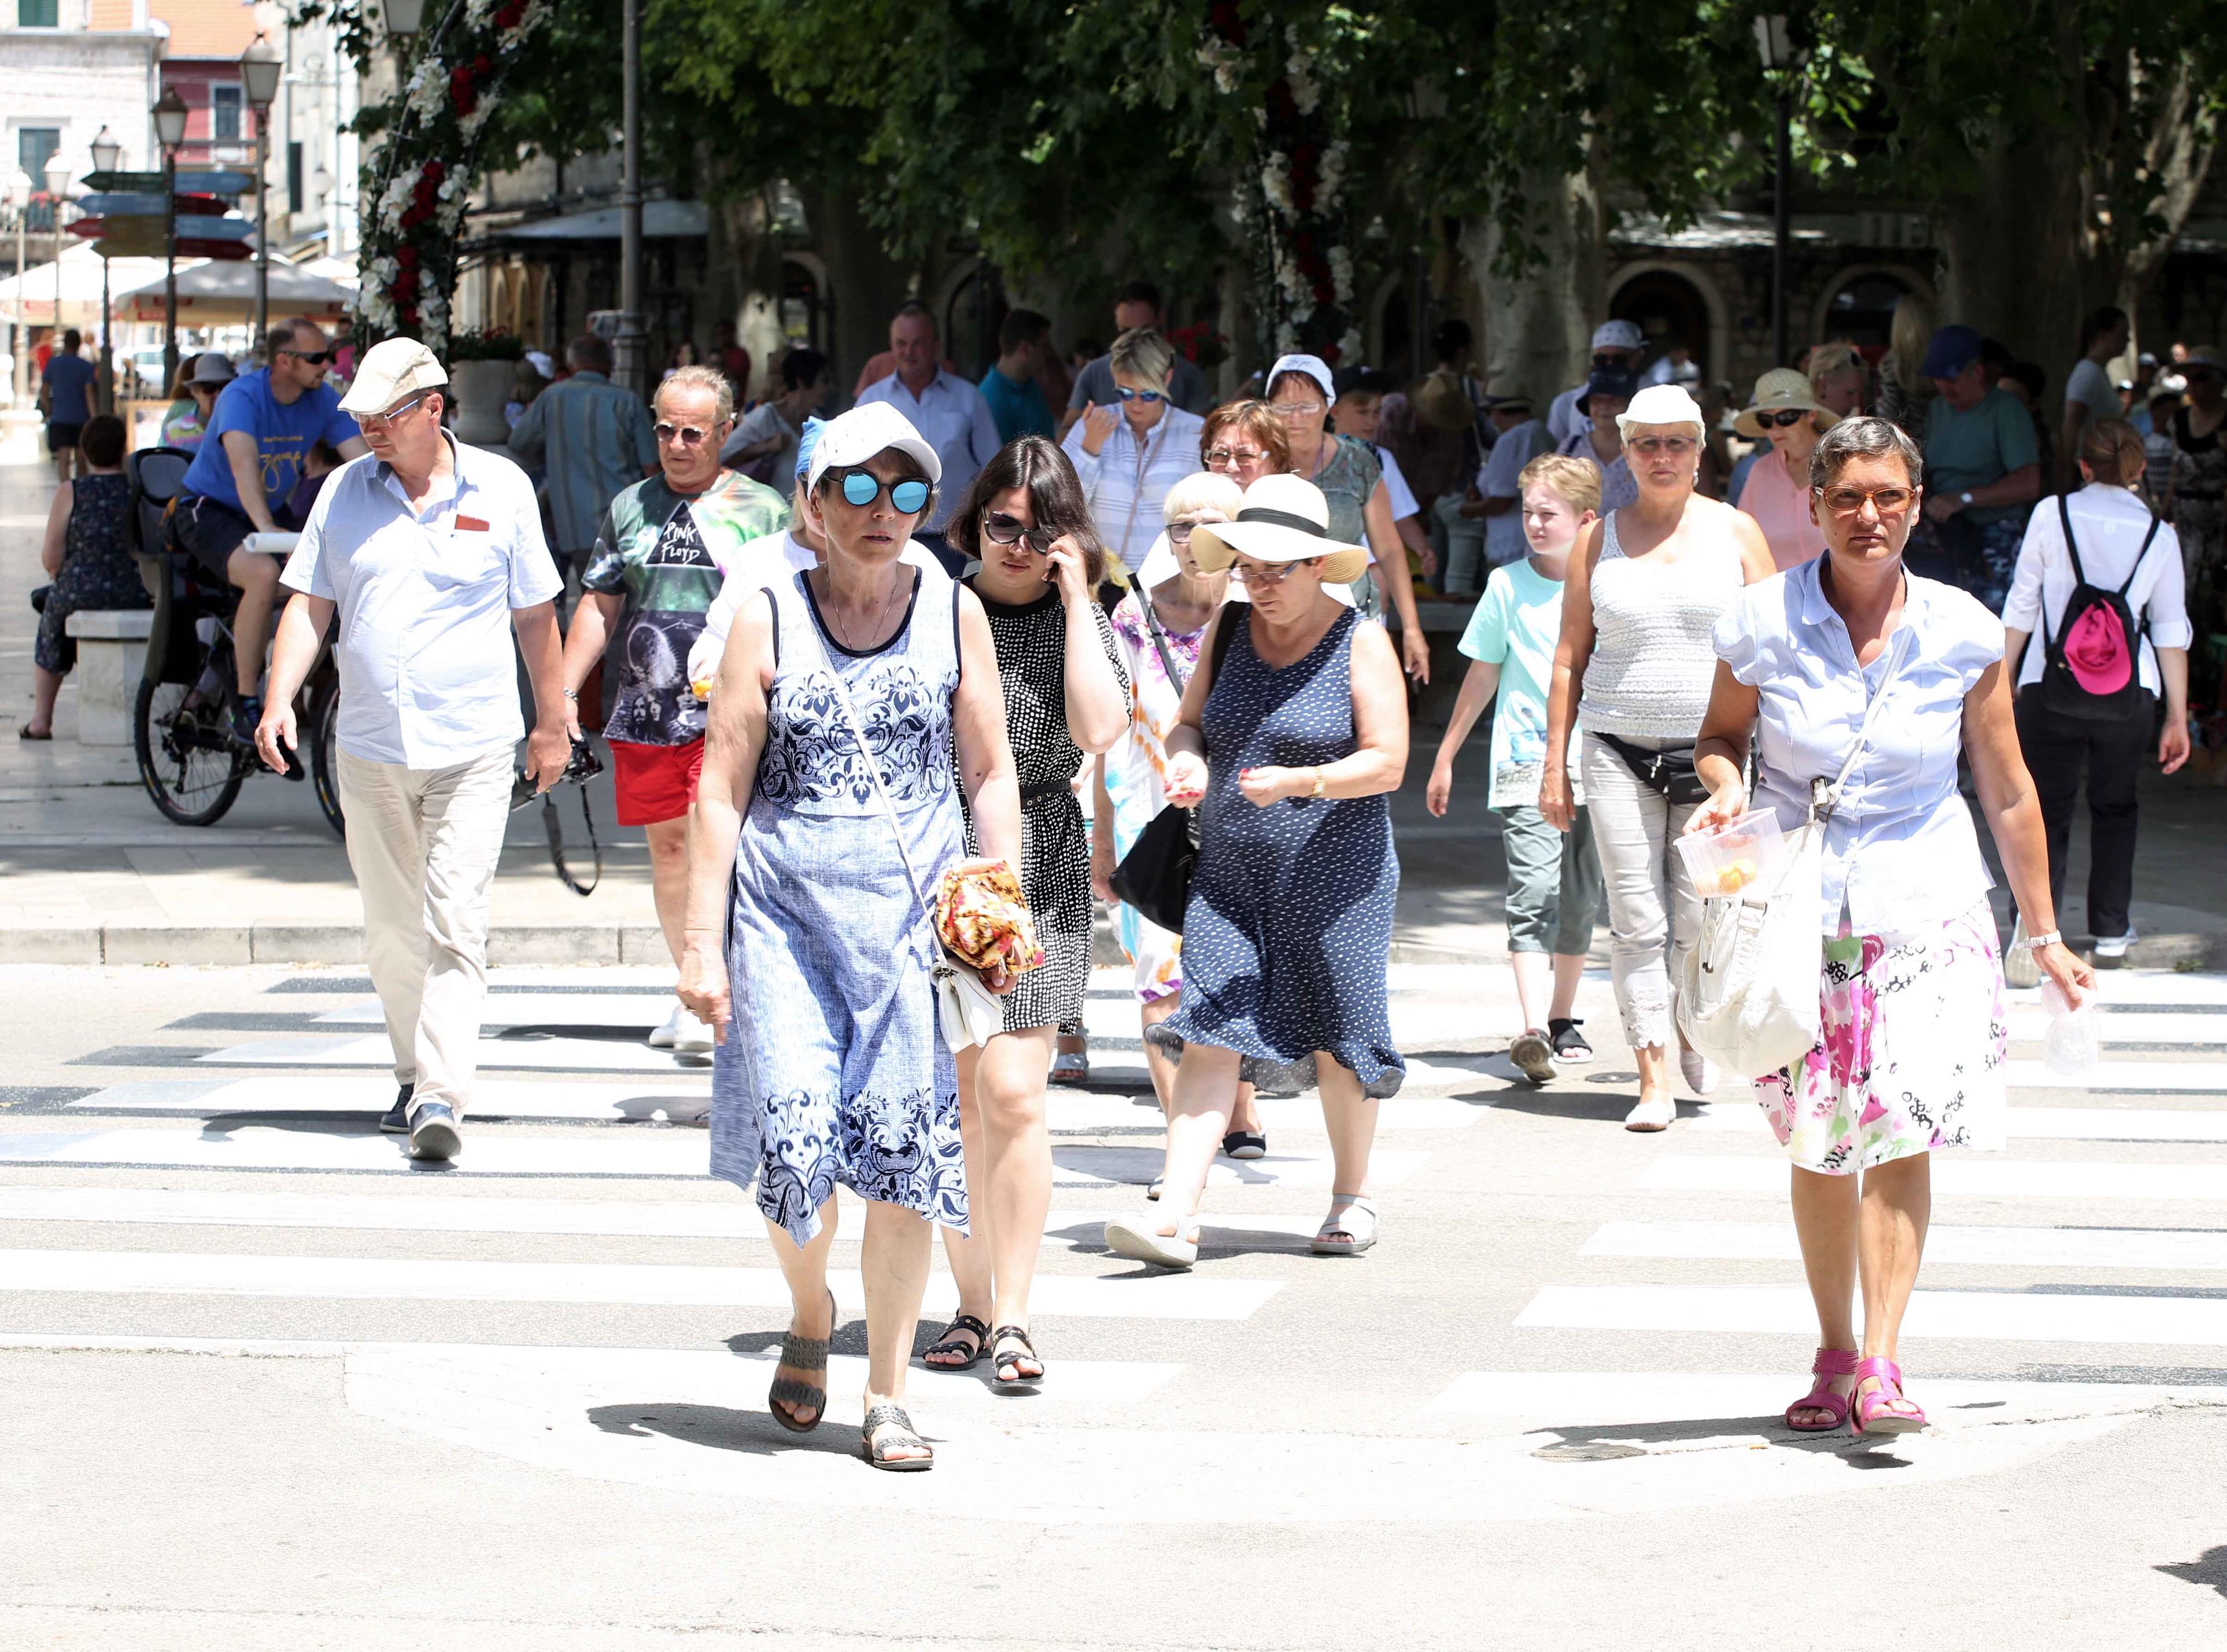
(1032, 643)
(1289, 929)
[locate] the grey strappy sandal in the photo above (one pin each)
(889, 1414)
(803, 1354)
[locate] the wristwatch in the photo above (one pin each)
(1317, 791)
(1965, 497)
(2047, 938)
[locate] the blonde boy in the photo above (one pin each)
(1553, 881)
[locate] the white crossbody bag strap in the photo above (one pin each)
(1822, 798)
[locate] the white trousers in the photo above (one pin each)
(1654, 916)
(425, 843)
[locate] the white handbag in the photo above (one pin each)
(1748, 996)
(968, 1012)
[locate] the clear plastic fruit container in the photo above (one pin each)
(1734, 859)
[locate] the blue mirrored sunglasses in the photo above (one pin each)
(1127, 394)
(863, 486)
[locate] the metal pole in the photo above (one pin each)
(107, 367)
(1782, 227)
(22, 328)
(262, 224)
(169, 269)
(632, 341)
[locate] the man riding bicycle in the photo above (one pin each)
(259, 433)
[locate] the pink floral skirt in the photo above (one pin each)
(1911, 1057)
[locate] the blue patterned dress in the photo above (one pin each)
(834, 1070)
(1289, 928)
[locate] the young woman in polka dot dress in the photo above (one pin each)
(1293, 731)
(1026, 519)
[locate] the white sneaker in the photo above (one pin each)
(2115, 948)
(1701, 1074)
(2018, 967)
(682, 1033)
(662, 1038)
(1652, 1115)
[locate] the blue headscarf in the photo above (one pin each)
(805, 443)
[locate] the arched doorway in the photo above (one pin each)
(1860, 308)
(804, 306)
(1669, 309)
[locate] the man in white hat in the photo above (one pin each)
(1616, 344)
(432, 554)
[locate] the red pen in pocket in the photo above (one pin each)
(470, 525)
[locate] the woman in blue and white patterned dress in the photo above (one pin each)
(804, 924)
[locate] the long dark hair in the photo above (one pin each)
(1033, 463)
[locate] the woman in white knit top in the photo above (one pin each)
(1643, 595)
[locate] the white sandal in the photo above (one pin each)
(1658, 1114)
(1358, 1234)
(1141, 1241)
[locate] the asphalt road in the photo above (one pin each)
(262, 1384)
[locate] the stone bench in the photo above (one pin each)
(112, 649)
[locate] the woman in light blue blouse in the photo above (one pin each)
(1910, 1056)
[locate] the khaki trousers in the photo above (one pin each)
(425, 843)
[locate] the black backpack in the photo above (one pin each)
(2101, 681)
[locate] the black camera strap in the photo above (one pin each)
(555, 828)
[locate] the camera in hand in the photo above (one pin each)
(584, 767)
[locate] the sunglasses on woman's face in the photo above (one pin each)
(1001, 529)
(1127, 394)
(1784, 420)
(1649, 446)
(863, 487)
(1216, 458)
(1264, 573)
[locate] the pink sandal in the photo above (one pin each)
(1831, 1362)
(1872, 1416)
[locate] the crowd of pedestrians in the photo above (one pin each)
(997, 651)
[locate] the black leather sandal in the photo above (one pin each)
(890, 1415)
(1002, 1358)
(802, 1353)
(952, 1342)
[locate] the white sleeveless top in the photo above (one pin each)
(1653, 664)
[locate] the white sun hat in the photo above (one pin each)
(1312, 366)
(854, 438)
(1662, 404)
(1282, 519)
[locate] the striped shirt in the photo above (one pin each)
(1126, 480)
(592, 438)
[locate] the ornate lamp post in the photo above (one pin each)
(58, 178)
(260, 67)
(19, 198)
(169, 131)
(1780, 60)
(106, 154)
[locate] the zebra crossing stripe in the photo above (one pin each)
(1581, 1398)
(2192, 1249)
(678, 1100)
(356, 1279)
(2031, 1124)
(493, 1055)
(2195, 1028)
(2124, 1078)
(1954, 1177)
(2039, 1315)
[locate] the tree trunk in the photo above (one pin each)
(1538, 326)
(2010, 251)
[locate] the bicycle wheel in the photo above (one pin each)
(324, 753)
(186, 759)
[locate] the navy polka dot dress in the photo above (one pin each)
(1289, 928)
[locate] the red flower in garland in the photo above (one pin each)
(434, 170)
(1325, 293)
(461, 98)
(1223, 17)
(510, 17)
(1281, 105)
(407, 256)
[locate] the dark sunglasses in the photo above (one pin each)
(687, 435)
(1784, 420)
(314, 358)
(863, 487)
(1001, 529)
(1127, 394)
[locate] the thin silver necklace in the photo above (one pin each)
(888, 602)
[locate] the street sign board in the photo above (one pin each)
(124, 203)
(109, 247)
(138, 226)
(212, 180)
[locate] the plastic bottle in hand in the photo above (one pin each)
(2071, 1046)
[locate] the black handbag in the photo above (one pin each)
(1154, 877)
(1668, 773)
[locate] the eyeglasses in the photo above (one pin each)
(1266, 573)
(1127, 394)
(687, 435)
(863, 487)
(1179, 533)
(314, 358)
(367, 421)
(1784, 420)
(1674, 445)
(1298, 409)
(1849, 501)
(1217, 457)
(1001, 529)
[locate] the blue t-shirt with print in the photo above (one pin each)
(283, 434)
(69, 380)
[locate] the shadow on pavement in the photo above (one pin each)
(2208, 1569)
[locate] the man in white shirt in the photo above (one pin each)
(941, 406)
(1616, 344)
(431, 553)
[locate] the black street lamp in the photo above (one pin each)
(260, 67)
(169, 131)
(107, 154)
(1780, 60)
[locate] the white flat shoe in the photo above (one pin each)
(690, 1035)
(1651, 1115)
(1141, 1242)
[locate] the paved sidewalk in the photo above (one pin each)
(92, 874)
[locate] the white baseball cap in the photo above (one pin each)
(1662, 404)
(1618, 335)
(1313, 366)
(393, 370)
(872, 427)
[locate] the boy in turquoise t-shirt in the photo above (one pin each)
(1554, 891)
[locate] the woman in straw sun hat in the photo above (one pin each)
(1293, 730)
(1785, 412)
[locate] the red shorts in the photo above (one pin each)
(654, 782)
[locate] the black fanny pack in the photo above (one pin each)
(1671, 773)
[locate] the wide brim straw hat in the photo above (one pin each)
(1662, 405)
(1775, 392)
(1281, 519)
